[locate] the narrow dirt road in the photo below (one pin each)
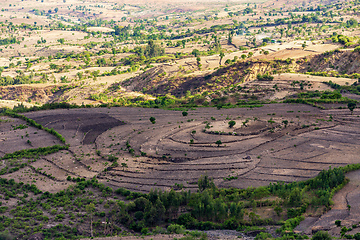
(349, 216)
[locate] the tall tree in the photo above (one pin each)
(351, 106)
(222, 55)
(90, 210)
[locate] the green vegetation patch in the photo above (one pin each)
(90, 202)
(31, 153)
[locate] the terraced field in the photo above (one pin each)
(273, 143)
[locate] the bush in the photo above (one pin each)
(320, 235)
(265, 77)
(186, 220)
(112, 158)
(338, 223)
(152, 120)
(262, 236)
(34, 152)
(144, 230)
(357, 236)
(176, 228)
(184, 113)
(231, 124)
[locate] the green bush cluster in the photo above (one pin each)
(32, 153)
(209, 208)
(19, 79)
(264, 77)
(7, 41)
(354, 88)
(344, 40)
(334, 74)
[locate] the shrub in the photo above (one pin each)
(343, 230)
(265, 77)
(176, 228)
(262, 236)
(112, 158)
(144, 230)
(357, 236)
(320, 235)
(152, 120)
(184, 113)
(186, 220)
(231, 124)
(29, 153)
(351, 106)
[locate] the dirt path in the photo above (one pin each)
(348, 196)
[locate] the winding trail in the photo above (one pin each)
(349, 195)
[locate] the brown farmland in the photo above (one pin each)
(258, 150)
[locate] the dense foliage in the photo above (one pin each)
(7, 41)
(209, 208)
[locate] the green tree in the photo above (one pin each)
(218, 142)
(152, 120)
(231, 124)
(351, 106)
(295, 197)
(198, 59)
(230, 36)
(124, 165)
(204, 182)
(79, 75)
(154, 213)
(196, 53)
(278, 210)
(28, 65)
(61, 40)
(285, 122)
(303, 45)
(183, 42)
(90, 209)
(101, 62)
(338, 223)
(221, 55)
(153, 50)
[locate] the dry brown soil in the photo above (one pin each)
(262, 151)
